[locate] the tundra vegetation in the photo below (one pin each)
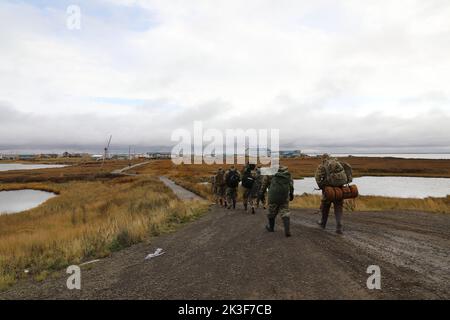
(97, 213)
(88, 220)
(192, 177)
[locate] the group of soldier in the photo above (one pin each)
(272, 192)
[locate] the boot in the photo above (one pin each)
(286, 222)
(234, 204)
(320, 223)
(253, 210)
(339, 229)
(271, 225)
(245, 206)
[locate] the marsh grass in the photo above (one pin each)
(306, 167)
(371, 203)
(89, 219)
(190, 177)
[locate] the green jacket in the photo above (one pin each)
(281, 187)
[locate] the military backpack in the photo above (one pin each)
(247, 179)
(336, 173)
(232, 179)
(280, 188)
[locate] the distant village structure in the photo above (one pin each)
(293, 154)
(119, 156)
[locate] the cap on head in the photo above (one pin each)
(283, 168)
(325, 156)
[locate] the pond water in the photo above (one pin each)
(21, 166)
(397, 187)
(19, 200)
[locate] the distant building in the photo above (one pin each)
(8, 157)
(26, 157)
(47, 156)
(158, 155)
(72, 155)
(97, 156)
(120, 157)
(291, 154)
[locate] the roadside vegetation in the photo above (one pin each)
(76, 170)
(306, 167)
(369, 203)
(97, 213)
(193, 177)
(88, 220)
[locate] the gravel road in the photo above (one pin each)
(229, 255)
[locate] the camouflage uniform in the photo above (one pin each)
(325, 207)
(325, 204)
(231, 192)
(249, 194)
(265, 183)
(280, 208)
(220, 187)
(256, 189)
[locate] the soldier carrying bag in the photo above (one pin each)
(247, 179)
(232, 180)
(334, 178)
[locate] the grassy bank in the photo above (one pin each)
(306, 168)
(88, 171)
(190, 177)
(363, 203)
(369, 203)
(89, 219)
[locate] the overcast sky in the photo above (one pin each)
(345, 75)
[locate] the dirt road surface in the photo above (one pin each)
(124, 170)
(229, 255)
(179, 191)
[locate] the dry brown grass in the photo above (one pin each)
(190, 176)
(88, 170)
(96, 214)
(88, 220)
(366, 166)
(370, 203)
(306, 168)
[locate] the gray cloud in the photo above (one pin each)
(329, 74)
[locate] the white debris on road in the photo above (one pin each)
(157, 253)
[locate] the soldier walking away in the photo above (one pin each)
(281, 191)
(331, 173)
(232, 179)
(220, 187)
(248, 181)
(256, 190)
(265, 182)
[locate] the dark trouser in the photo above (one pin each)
(261, 199)
(248, 198)
(325, 207)
(231, 194)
